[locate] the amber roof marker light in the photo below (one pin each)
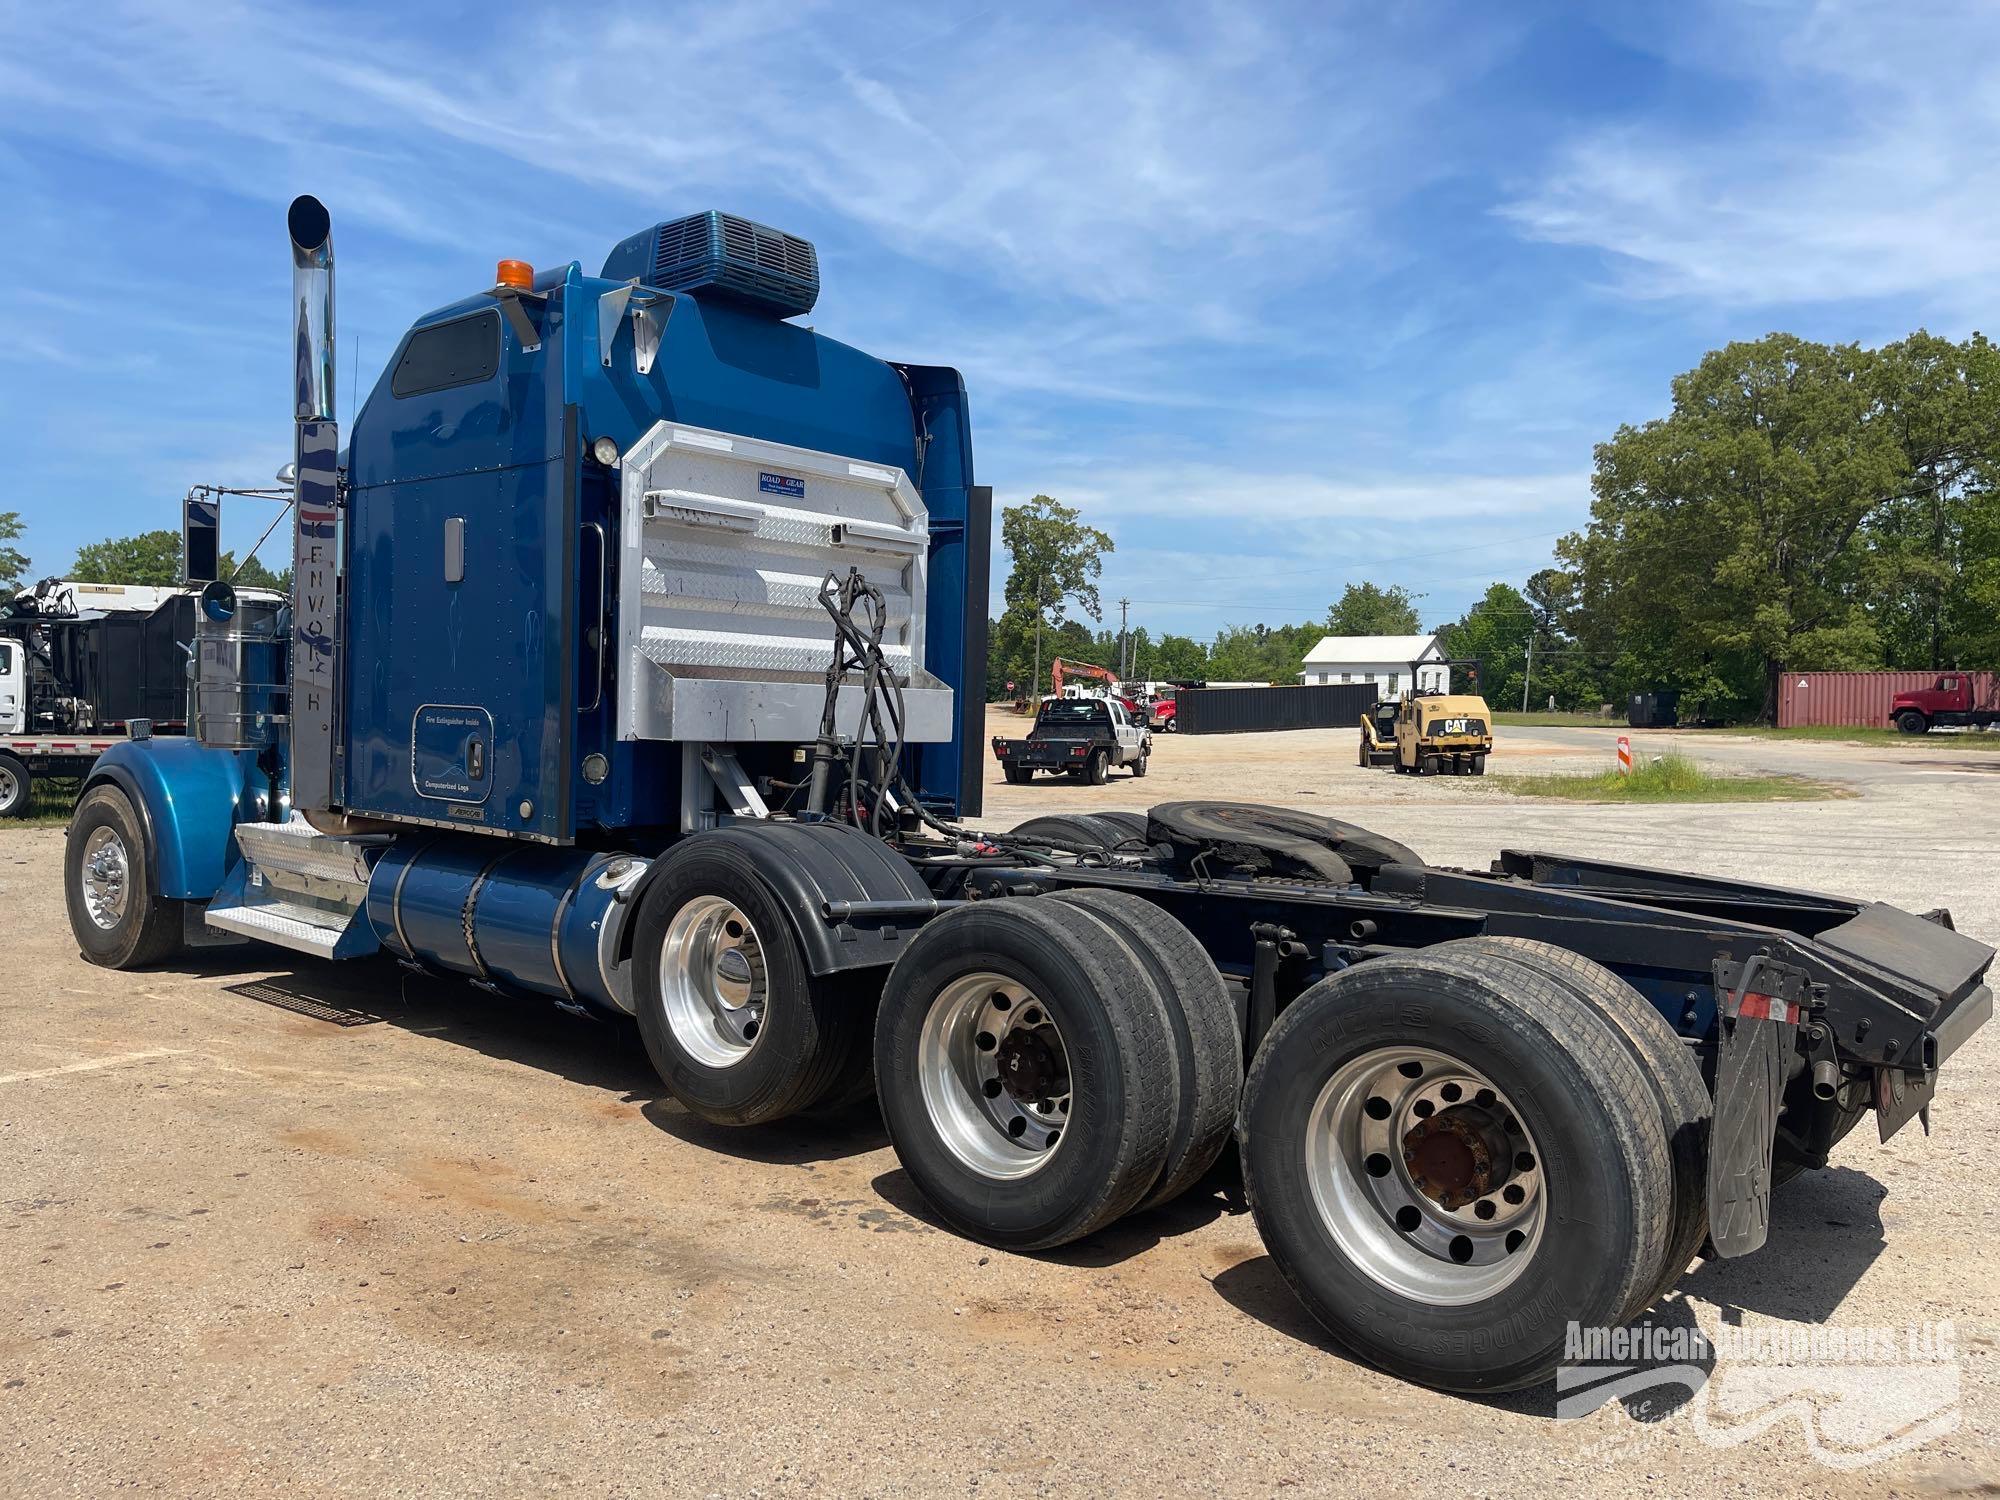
(514, 273)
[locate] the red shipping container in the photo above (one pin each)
(1861, 699)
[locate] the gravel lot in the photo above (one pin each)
(422, 1241)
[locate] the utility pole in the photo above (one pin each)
(1529, 675)
(1036, 694)
(1124, 641)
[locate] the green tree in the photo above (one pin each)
(1057, 561)
(151, 557)
(13, 561)
(252, 574)
(1366, 609)
(1941, 400)
(1178, 658)
(1261, 653)
(1720, 548)
(1494, 632)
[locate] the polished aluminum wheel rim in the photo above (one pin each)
(10, 787)
(994, 1075)
(713, 981)
(1425, 1175)
(106, 877)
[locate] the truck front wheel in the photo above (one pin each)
(115, 909)
(15, 786)
(1912, 722)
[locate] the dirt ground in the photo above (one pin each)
(334, 1229)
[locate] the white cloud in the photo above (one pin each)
(1304, 501)
(1079, 157)
(1866, 164)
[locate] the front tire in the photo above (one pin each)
(1912, 722)
(737, 1027)
(1450, 1170)
(115, 909)
(16, 787)
(1139, 765)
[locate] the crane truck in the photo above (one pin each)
(80, 663)
(632, 661)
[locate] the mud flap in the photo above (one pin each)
(1761, 1003)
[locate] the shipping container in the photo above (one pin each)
(1246, 710)
(1655, 710)
(1860, 700)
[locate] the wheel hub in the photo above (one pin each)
(1425, 1175)
(104, 876)
(1031, 1069)
(995, 1075)
(712, 981)
(1454, 1158)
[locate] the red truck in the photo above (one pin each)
(1949, 703)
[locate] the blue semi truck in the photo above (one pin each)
(634, 661)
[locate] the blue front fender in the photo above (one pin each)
(189, 798)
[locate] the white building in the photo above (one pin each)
(1383, 660)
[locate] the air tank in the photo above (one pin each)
(517, 916)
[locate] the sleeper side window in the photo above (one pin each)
(464, 351)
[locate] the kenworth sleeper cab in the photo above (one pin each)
(634, 661)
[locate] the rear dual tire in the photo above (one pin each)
(1020, 1051)
(1099, 991)
(1541, 1114)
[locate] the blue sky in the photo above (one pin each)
(1281, 295)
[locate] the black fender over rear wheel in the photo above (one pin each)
(735, 1023)
(1450, 1169)
(1027, 1072)
(115, 909)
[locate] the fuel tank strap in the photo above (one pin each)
(465, 915)
(555, 928)
(396, 898)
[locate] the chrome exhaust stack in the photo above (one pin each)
(315, 648)
(312, 308)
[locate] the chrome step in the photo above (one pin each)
(299, 927)
(298, 888)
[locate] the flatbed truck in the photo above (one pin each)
(633, 662)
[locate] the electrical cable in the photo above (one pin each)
(858, 648)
